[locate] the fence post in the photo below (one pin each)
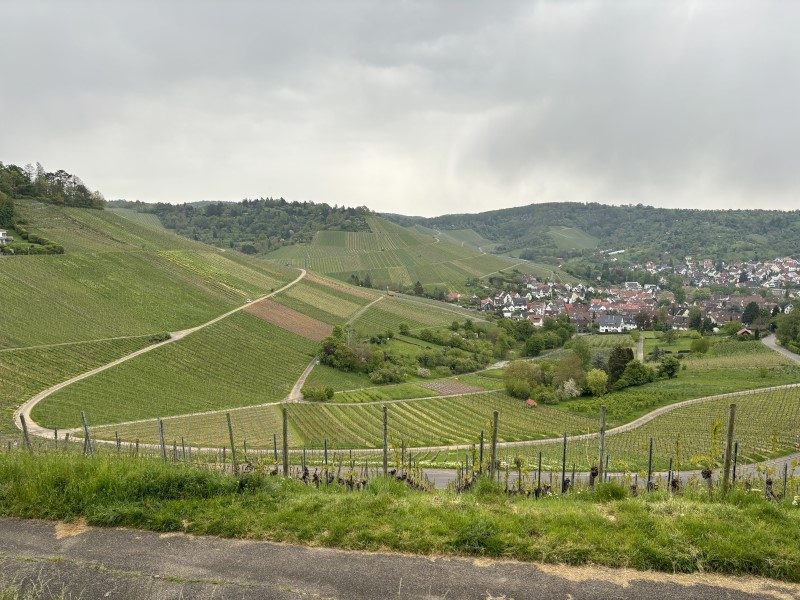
(233, 445)
(87, 441)
(325, 458)
(735, 459)
(493, 457)
(285, 419)
(728, 450)
(785, 478)
(25, 437)
(385, 441)
(650, 465)
(480, 455)
(602, 442)
(119, 443)
(539, 476)
(564, 464)
(275, 447)
(161, 439)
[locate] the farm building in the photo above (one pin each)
(612, 324)
(4, 237)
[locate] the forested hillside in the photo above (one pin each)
(569, 229)
(34, 183)
(253, 226)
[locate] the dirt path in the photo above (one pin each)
(60, 344)
(296, 394)
(640, 349)
(25, 410)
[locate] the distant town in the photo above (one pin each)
(714, 293)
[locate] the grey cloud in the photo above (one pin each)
(421, 108)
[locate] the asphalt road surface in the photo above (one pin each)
(85, 562)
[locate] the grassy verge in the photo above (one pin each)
(743, 534)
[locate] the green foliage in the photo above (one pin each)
(58, 187)
(635, 373)
(668, 367)
(317, 394)
(788, 331)
(252, 226)
(701, 345)
(750, 313)
(597, 382)
(7, 213)
(617, 362)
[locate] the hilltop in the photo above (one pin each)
(574, 229)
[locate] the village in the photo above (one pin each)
(767, 288)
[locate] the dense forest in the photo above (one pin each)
(253, 226)
(33, 182)
(643, 232)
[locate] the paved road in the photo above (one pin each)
(771, 342)
(25, 410)
(117, 563)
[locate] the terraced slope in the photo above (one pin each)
(393, 255)
(119, 277)
(413, 422)
(239, 361)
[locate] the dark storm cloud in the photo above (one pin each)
(411, 107)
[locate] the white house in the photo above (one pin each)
(611, 324)
(4, 237)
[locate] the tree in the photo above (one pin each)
(6, 211)
(750, 313)
(597, 382)
(418, 289)
(534, 345)
(695, 318)
(569, 367)
(669, 336)
(579, 346)
(669, 367)
(617, 360)
(635, 373)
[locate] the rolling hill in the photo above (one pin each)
(563, 229)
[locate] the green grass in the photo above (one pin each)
(436, 421)
(742, 534)
(571, 238)
(398, 391)
(325, 376)
(239, 361)
(728, 367)
(119, 278)
(23, 373)
(391, 312)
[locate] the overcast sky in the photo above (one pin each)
(420, 108)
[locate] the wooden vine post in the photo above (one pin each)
(728, 450)
(234, 461)
(285, 418)
(493, 456)
(385, 441)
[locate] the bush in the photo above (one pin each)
(597, 382)
(568, 390)
(669, 367)
(387, 374)
(518, 388)
(317, 394)
(701, 345)
(635, 373)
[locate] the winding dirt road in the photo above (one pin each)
(25, 410)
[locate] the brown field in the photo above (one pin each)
(451, 387)
(289, 319)
(358, 292)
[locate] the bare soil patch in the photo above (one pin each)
(290, 320)
(451, 387)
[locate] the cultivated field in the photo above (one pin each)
(239, 361)
(357, 425)
(119, 278)
(289, 319)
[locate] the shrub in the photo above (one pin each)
(387, 374)
(518, 388)
(669, 367)
(701, 345)
(568, 390)
(317, 394)
(635, 373)
(597, 382)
